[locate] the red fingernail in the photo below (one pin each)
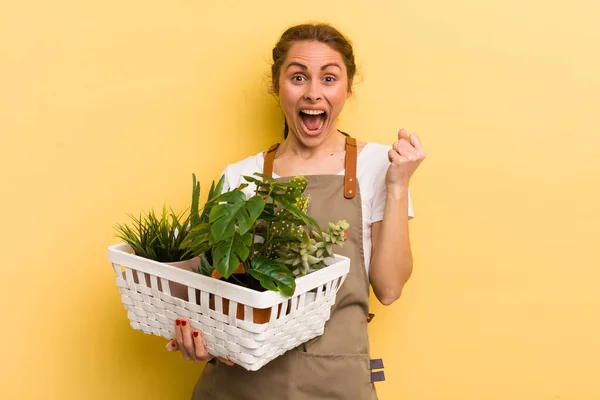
(196, 334)
(183, 323)
(177, 322)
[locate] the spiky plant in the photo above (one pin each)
(160, 237)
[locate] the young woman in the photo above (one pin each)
(364, 183)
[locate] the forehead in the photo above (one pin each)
(313, 54)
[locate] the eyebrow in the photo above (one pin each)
(304, 67)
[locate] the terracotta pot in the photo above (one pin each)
(260, 315)
(177, 289)
(239, 270)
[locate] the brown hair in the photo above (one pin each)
(323, 33)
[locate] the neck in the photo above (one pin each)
(334, 142)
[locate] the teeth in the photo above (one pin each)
(312, 112)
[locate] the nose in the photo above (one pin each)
(313, 93)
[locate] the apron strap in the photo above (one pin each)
(269, 158)
(350, 166)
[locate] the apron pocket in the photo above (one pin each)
(333, 376)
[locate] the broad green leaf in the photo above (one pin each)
(235, 209)
(273, 275)
(228, 254)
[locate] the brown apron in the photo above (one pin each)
(335, 365)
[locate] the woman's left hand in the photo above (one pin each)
(405, 156)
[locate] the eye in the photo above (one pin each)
(329, 79)
(298, 78)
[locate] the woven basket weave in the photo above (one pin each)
(293, 320)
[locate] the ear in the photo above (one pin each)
(350, 83)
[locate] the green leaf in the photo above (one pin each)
(228, 254)
(296, 212)
(197, 239)
(205, 267)
(157, 237)
(213, 193)
(235, 209)
(273, 275)
(263, 176)
(195, 217)
(251, 179)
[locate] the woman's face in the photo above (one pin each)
(313, 87)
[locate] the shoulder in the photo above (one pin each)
(373, 157)
(248, 166)
(372, 148)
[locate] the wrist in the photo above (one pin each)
(397, 192)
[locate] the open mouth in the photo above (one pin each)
(313, 120)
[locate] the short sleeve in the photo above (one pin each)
(234, 174)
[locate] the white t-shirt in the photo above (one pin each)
(371, 168)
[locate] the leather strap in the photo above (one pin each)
(350, 166)
(269, 159)
(350, 173)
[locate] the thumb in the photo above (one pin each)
(172, 346)
(402, 134)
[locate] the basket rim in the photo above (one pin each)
(122, 254)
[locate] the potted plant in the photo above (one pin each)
(159, 237)
(263, 242)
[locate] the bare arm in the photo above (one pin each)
(391, 256)
(391, 260)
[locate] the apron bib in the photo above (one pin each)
(335, 365)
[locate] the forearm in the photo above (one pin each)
(391, 261)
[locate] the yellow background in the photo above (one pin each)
(108, 107)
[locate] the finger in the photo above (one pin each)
(402, 134)
(405, 149)
(394, 157)
(179, 340)
(226, 362)
(171, 346)
(200, 350)
(416, 143)
(188, 341)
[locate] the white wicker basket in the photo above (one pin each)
(293, 320)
